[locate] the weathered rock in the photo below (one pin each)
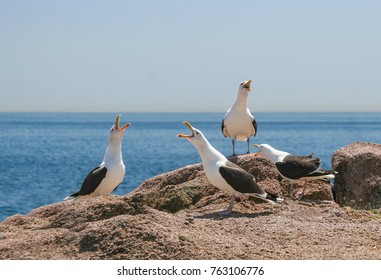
(358, 182)
(184, 187)
(173, 216)
(112, 227)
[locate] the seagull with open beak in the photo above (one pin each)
(239, 123)
(224, 174)
(106, 177)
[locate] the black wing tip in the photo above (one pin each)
(222, 128)
(254, 122)
(72, 196)
(271, 196)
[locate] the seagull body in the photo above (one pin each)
(224, 174)
(239, 123)
(292, 167)
(106, 177)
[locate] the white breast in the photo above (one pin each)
(238, 125)
(115, 175)
(212, 172)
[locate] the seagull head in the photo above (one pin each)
(117, 132)
(244, 87)
(196, 137)
(265, 150)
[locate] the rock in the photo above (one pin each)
(114, 227)
(176, 190)
(358, 182)
(184, 187)
(173, 216)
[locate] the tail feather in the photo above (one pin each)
(273, 197)
(321, 174)
(73, 196)
(269, 197)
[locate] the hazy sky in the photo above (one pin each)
(130, 56)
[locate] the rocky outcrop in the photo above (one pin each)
(173, 216)
(358, 182)
(185, 187)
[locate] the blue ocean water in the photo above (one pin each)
(46, 156)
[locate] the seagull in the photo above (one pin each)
(106, 177)
(224, 174)
(293, 167)
(239, 123)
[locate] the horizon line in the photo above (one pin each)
(179, 112)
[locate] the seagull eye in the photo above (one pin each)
(197, 133)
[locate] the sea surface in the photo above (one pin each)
(46, 156)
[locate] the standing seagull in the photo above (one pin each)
(106, 177)
(239, 123)
(224, 174)
(294, 167)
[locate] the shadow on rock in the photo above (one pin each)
(233, 215)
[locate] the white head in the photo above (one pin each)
(116, 132)
(205, 149)
(196, 138)
(244, 88)
(269, 152)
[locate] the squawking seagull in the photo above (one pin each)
(239, 123)
(224, 174)
(106, 177)
(294, 167)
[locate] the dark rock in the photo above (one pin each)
(358, 182)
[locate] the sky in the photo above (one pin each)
(189, 56)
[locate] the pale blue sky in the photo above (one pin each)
(130, 56)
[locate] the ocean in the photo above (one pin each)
(46, 156)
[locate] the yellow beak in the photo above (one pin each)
(184, 135)
(257, 146)
(117, 128)
(247, 84)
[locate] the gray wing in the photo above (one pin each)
(295, 167)
(239, 179)
(93, 180)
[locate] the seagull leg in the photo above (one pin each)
(233, 142)
(248, 145)
(290, 189)
(230, 208)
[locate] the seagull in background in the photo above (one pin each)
(224, 174)
(239, 123)
(106, 177)
(292, 167)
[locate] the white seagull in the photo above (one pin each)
(224, 174)
(106, 177)
(239, 123)
(294, 167)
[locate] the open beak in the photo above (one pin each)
(117, 128)
(259, 147)
(247, 84)
(187, 136)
